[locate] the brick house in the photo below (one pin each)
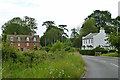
(24, 42)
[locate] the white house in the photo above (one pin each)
(92, 40)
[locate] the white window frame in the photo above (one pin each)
(11, 43)
(34, 39)
(18, 38)
(18, 43)
(11, 38)
(27, 44)
(27, 38)
(89, 41)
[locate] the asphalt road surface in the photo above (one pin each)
(101, 67)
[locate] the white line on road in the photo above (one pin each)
(114, 64)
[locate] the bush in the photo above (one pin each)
(57, 46)
(40, 48)
(102, 50)
(112, 50)
(87, 52)
(47, 49)
(8, 51)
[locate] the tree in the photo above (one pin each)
(114, 40)
(109, 29)
(48, 24)
(63, 28)
(102, 18)
(77, 42)
(20, 26)
(53, 35)
(88, 27)
(74, 33)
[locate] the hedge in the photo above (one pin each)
(87, 52)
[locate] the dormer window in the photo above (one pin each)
(18, 38)
(34, 39)
(27, 38)
(11, 39)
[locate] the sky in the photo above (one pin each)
(67, 12)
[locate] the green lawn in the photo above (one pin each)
(59, 64)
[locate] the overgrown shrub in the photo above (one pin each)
(57, 46)
(8, 51)
(47, 49)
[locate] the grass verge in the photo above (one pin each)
(59, 64)
(115, 54)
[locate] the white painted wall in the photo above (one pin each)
(99, 39)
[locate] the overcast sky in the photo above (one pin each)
(68, 12)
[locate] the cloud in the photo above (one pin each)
(68, 12)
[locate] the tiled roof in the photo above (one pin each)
(90, 36)
(23, 38)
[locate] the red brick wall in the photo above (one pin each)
(24, 45)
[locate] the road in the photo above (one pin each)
(101, 67)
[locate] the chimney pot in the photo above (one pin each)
(14, 33)
(31, 33)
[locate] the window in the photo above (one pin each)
(86, 41)
(34, 44)
(27, 44)
(34, 39)
(18, 44)
(18, 38)
(11, 43)
(24, 49)
(28, 48)
(89, 41)
(27, 38)
(11, 38)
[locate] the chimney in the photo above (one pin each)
(31, 33)
(102, 30)
(14, 33)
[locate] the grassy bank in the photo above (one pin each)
(40, 64)
(115, 54)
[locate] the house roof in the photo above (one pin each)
(23, 38)
(90, 36)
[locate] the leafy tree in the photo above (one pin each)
(77, 42)
(102, 18)
(63, 28)
(53, 33)
(109, 29)
(114, 40)
(88, 27)
(20, 26)
(48, 24)
(74, 33)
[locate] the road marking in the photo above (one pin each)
(114, 64)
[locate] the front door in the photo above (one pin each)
(21, 49)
